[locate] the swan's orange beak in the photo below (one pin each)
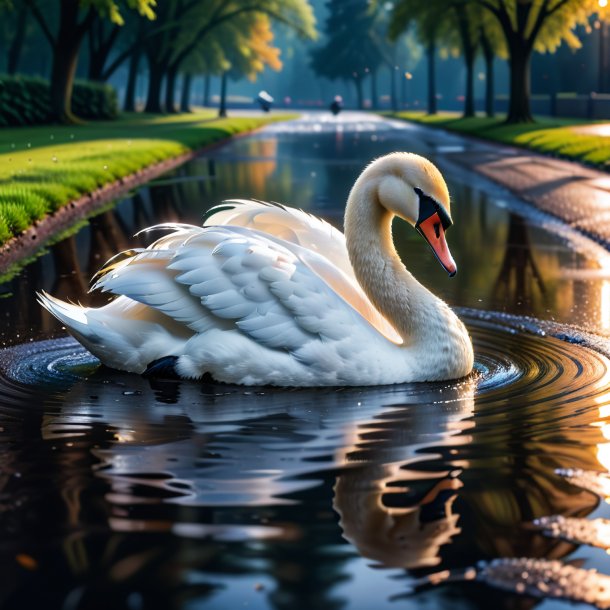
(434, 233)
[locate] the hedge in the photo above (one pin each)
(25, 100)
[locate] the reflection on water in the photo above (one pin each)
(118, 491)
(175, 481)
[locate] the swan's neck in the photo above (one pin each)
(396, 294)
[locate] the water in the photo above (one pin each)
(118, 491)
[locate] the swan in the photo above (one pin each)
(264, 294)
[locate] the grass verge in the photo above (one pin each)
(44, 168)
(553, 136)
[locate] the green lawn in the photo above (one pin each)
(553, 136)
(44, 168)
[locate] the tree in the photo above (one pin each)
(351, 50)
(102, 37)
(467, 20)
(461, 28)
(433, 22)
(530, 25)
(187, 23)
(17, 19)
(476, 28)
(247, 50)
(75, 19)
(401, 56)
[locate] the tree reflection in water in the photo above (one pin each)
(193, 489)
(519, 278)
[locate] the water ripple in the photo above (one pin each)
(418, 474)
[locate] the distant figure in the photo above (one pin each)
(265, 101)
(336, 105)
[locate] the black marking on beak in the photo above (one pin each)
(428, 206)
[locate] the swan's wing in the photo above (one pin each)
(288, 224)
(227, 277)
(143, 276)
(317, 243)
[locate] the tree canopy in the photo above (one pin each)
(529, 25)
(350, 50)
(512, 27)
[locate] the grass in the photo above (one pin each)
(552, 136)
(44, 168)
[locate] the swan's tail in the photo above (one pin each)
(73, 317)
(116, 335)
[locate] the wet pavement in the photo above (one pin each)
(574, 193)
(124, 492)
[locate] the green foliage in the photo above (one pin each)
(540, 24)
(94, 100)
(350, 50)
(26, 101)
(44, 168)
(110, 9)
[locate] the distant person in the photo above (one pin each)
(265, 101)
(336, 105)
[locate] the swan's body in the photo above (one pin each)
(270, 295)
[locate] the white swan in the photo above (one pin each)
(264, 294)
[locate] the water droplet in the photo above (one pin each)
(29, 145)
(54, 159)
(105, 167)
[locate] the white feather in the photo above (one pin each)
(262, 294)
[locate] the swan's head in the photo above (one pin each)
(413, 189)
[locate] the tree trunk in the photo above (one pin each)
(469, 105)
(132, 80)
(393, 99)
(96, 64)
(185, 100)
(170, 90)
(469, 51)
(155, 81)
(359, 94)
(490, 94)
(374, 94)
(519, 106)
(65, 58)
(431, 54)
(603, 61)
(100, 48)
(206, 90)
(14, 51)
(222, 110)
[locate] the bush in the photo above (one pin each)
(26, 100)
(94, 100)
